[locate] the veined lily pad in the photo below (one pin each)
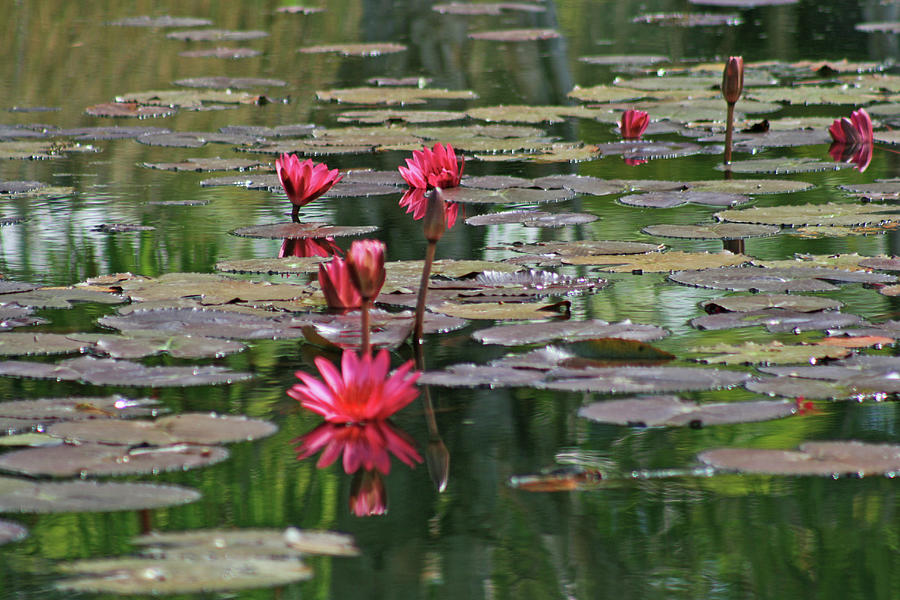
(161, 21)
(672, 411)
(771, 353)
(221, 53)
(139, 576)
(506, 195)
(829, 459)
(295, 231)
(89, 459)
(515, 35)
(206, 164)
(532, 218)
(782, 166)
(215, 35)
(393, 95)
(246, 543)
(211, 323)
(105, 371)
(537, 333)
(717, 231)
(794, 302)
(189, 428)
(28, 496)
(828, 214)
(658, 262)
(372, 49)
(11, 532)
(673, 199)
(778, 320)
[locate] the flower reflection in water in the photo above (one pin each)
(365, 446)
(860, 155)
(306, 247)
(853, 139)
(368, 496)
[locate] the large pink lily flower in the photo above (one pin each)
(414, 202)
(337, 286)
(360, 392)
(304, 181)
(853, 131)
(364, 446)
(633, 124)
(437, 167)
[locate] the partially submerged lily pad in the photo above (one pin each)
(29, 496)
(827, 458)
(672, 411)
(185, 428)
(295, 231)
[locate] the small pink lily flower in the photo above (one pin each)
(633, 124)
(304, 181)
(365, 261)
(853, 131)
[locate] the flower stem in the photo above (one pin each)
(729, 132)
(419, 328)
(364, 334)
(295, 213)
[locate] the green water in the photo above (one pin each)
(724, 537)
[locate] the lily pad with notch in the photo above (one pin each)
(672, 411)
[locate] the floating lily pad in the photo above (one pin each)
(648, 150)
(189, 99)
(205, 323)
(790, 387)
(618, 60)
(221, 53)
(388, 330)
(690, 19)
(139, 576)
(533, 114)
(4, 221)
(106, 371)
(581, 184)
(485, 8)
(795, 279)
(51, 297)
(771, 353)
(716, 231)
(406, 116)
(532, 218)
(658, 262)
(75, 408)
(778, 320)
(672, 411)
(192, 139)
(393, 95)
(140, 344)
(89, 459)
(516, 35)
(19, 187)
(215, 35)
(743, 3)
(642, 380)
(373, 49)
(206, 164)
(246, 543)
(24, 344)
(189, 428)
(161, 21)
(272, 266)
(28, 496)
(467, 375)
(673, 199)
(794, 302)
(883, 189)
(12, 316)
(252, 181)
(536, 333)
(34, 150)
(223, 83)
(541, 153)
(782, 166)
(506, 195)
(810, 94)
(495, 182)
(554, 252)
(210, 289)
(11, 532)
(606, 93)
(298, 9)
(753, 187)
(110, 133)
(846, 262)
(828, 214)
(128, 109)
(122, 228)
(830, 459)
(296, 231)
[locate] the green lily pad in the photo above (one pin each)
(255, 180)
(790, 387)
(468, 375)
(618, 60)
(532, 218)
(188, 99)
(140, 344)
(771, 353)
(372, 49)
(794, 302)
(606, 93)
(793, 279)
(810, 94)
(829, 459)
(658, 262)
(11, 532)
(753, 187)
(516, 35)
(209, 288)
(672, 411)
(215, 35)
(506, 195)
(642, 380)
(61, 297)
(272, 266)
(742, 3)
(544, 153)
(392, 95)
(503, 310)
(535, 114)
(29, 344)
(406, 116)
(673, 199)
(296, 231)
(35, 150)
(778, 320)
(716, 231)
(580, 184)
(829, 214)
(753, 143)
(185, 428)
(36, 497)
(537, 333)
(847, 262)
(782, 166)
(206, 164)
(33, 440)
(76, 408)
(648, 150)
(882, 189)
(204, 323)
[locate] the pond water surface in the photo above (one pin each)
(673, 531)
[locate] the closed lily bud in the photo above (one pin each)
(365, 261)
(438, 460)
(435, 209)
(733, 79)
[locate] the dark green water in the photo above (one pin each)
(724, 537)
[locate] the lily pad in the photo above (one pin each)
(208, 288)
(753, 187)
(506, 195)
(829, 214)
(690, 19)
(790, 387)
(642, 380)
(516, 35)
(128, 109)
(215, 35)
(771, 353)
(40, 150)
(580, 184)
(517, 113)
(296, 231)
(106, 371)
(272, 266)
(122, 228)
(76, 408)
(658, 262)
(717, 231)
(829, 459)
(883, 189)
(254, 180)
(51, 297)
(221, 53)
(12, 316)
(485, 8)
(618, 60)
(537, 333)
(246, 543)
(532, 218)
(140, 344)
(189, 99)
(606, 93)
(778, 320)
(206, 164)
(672, 411)
(224, 83)
(743, 3)
(810, 94)
(11, 532)
(185, 428)
(208, 323)
(89, 459)
(782, 166)
(503, 310)
(299, 9)
(673, 199)
(161, 21)
(392, 95)
(388, 330)
(648, 150)
(793, 302)
(468, 375)
(372, 49)
(29, 496)
(406, 116)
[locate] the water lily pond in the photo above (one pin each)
(643, 373)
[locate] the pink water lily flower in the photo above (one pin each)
(854, 131)
(437, 167)
(304, 181)
(363, 446)
(360, 392)
(337, 286)
(415, 203)
(633, 124)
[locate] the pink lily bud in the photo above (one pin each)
(365, 261)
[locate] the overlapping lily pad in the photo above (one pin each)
(794, 302)
(778, 320)
(537, 333)
(53, 297)
(672, 411)
(829, 214)
(532, 218)
(782, 166)
(90, 459)
(205, 323)
(185, 428)
(206, 164)
(29, 496)
(12, 316)
(771, 353)
(795, 279)
(826, 458)
(506, 195)
(107, 371)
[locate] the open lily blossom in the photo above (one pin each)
(337, 286)
(854, 131)
(304, 181)
(415, 203)
(365, 261)
(365, 446)
(306, 247)
(368, 495)
(437, 167)
(633, 124)
(360, 392)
